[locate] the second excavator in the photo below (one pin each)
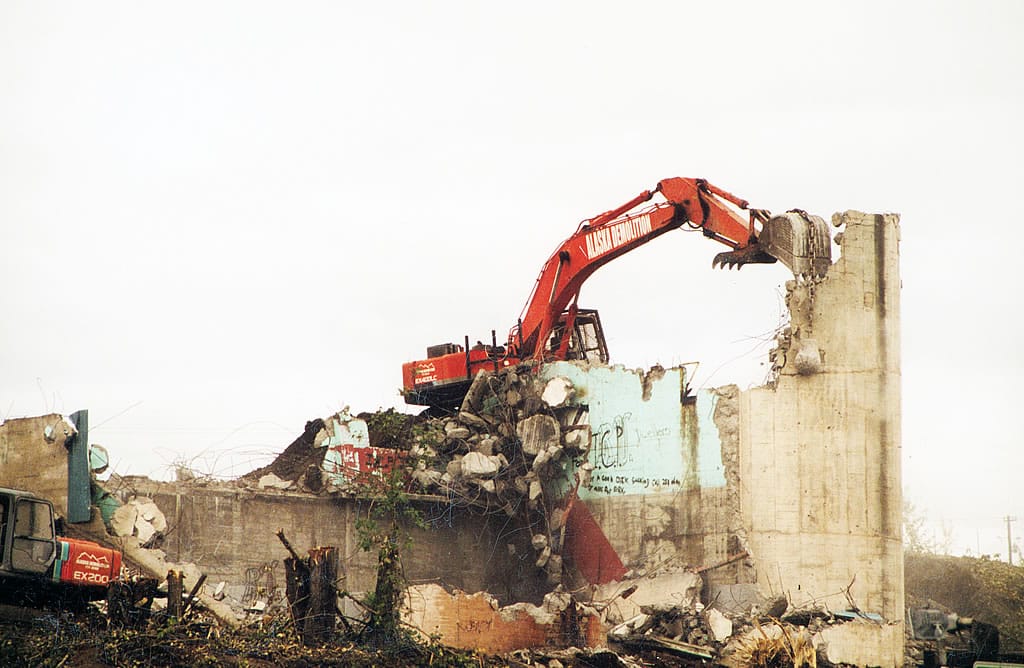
(553, 327)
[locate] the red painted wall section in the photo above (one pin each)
(588, 547)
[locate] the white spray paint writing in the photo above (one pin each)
(609, 238)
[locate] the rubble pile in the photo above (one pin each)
(755, 637)
(300, 461)
(513, 438)
(141, 518)
(518, 445)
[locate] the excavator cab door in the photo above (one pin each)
(33, 545)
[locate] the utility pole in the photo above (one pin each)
(1009, 539)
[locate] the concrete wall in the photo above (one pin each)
(226, 530)
(658, 486)
(819, 457)
(33, 457)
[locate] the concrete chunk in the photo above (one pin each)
(557, 391)
(513, 397)
(664, 591)
(537, 433)
(475, 464)
(271, 481)
(465, 417)
(808, 358)
(720, 625)
(457, 432)
(123, 521)
(144, 530)
(149, 512)
(486, 446)
(578, 438)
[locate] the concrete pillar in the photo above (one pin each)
(819, 451)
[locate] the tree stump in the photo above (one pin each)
(175, 594)
(129, 602)
(323, 594)
(311, 588)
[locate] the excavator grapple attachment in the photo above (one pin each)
(752, 254)
(797, 239)
(800, 241)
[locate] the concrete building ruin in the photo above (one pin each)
(792, 488)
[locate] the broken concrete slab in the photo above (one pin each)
(454, 431)
(477, 464)
(466, 417)
(672, 590)
(474, 621)
(271, 481)
(149, 511)
(737, 598)
(720, 625)
(557, 391)
(122, 523)
(862, 643)
(538, 433)
(155, 563)
(139, 517)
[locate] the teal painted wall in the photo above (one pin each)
(639, 445)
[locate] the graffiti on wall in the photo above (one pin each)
(644, 440)
(349, 454)
(616, 452)
(622, 450)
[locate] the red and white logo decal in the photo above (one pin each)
(93, 562)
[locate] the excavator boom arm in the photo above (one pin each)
(609, 235)
(552, 326)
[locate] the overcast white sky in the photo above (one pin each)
(220, 220)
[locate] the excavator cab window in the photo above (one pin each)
(587, 342)
(588, 338)
(33, 546)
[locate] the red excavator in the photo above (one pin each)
(37, 565)
(553, 327)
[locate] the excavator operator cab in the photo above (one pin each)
(27, 539)
(587, 340)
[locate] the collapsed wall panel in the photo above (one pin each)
(34, 457)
